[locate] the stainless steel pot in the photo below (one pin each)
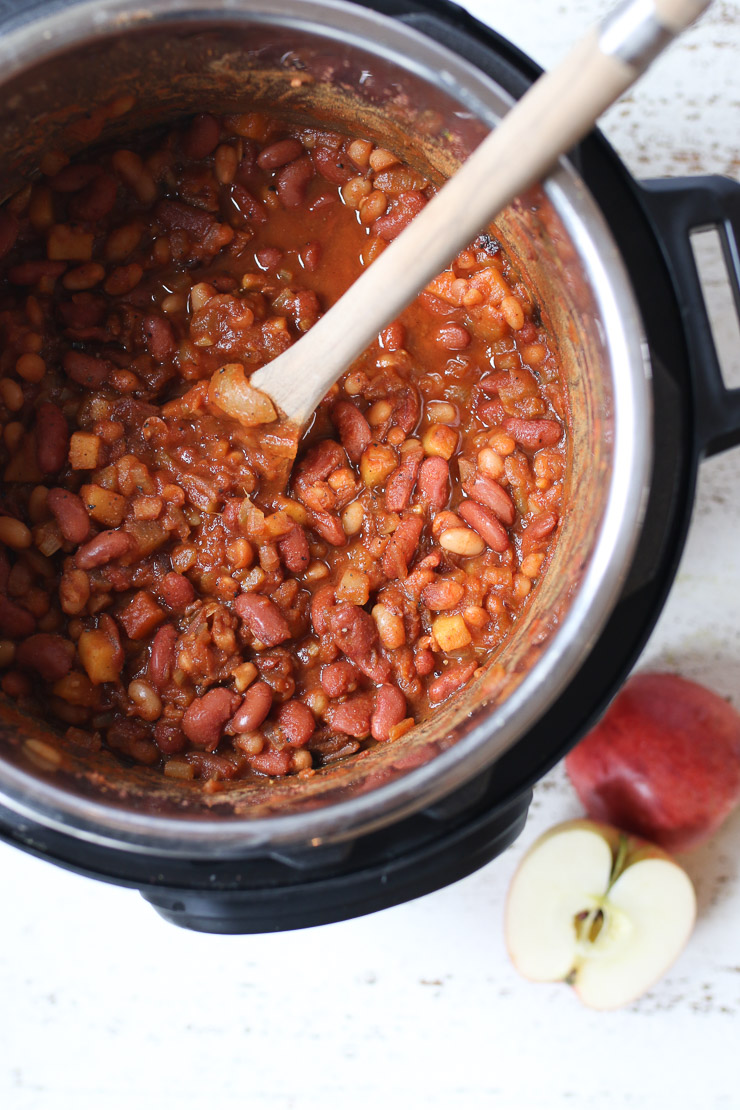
(365, 73)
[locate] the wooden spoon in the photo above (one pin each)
(557, 111)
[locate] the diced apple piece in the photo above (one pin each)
(85, 451)
(141, 616)
(103, 505)
(230, 391)
(354, 586)
(605, 911)
(451, 633)
(376, 463)
(99, 656)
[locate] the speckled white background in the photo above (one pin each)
(104, 1007)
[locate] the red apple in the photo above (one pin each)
(664, 761)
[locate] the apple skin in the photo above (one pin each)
(664, 762)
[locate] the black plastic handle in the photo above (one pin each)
(678, 206)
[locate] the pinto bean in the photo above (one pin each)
(485, 523)
(297, 722)
(402, 547)
(352, 716)
(70, 514)
(52, 438)
(255, 706)
(204, 719)
(443, 594)
(401, 481)
(272, 762)
(51, 656)
(338, 679)
(279, 154)
(102, 549)
(86, 369)
(74, 591)
(534, 433)
(201, 138)
(292, 181)
(162, 656)
(176, 591)
(450, 681)
(160, 338)
(16, 623)
(354, 430)
(433, 484)
(489, 493)
(390, 710)
(294, 550)
(356, 635)
(263, 618)
(393, 223)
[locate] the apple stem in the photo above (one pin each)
(619, 860)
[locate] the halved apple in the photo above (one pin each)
(605, 911)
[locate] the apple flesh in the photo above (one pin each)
(604, 911)
(664, 762)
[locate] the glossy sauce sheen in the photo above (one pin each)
(157, 596)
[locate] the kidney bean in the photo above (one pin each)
(160, 338)
(338, 679)
(390, 710)
(246, 205)
(433, 484)
(48, 654)
(176, 591)
(70, 514)
(70, 179)
(489, 493)
(533, 433)
(329, 527)
(255, 706)
(162, 656)
(354, 430)
(485, 523)
(279, 153)
(52, 438)
(356, 635)
(169, 737)
(402, 547)
(450, 681)
(263, 619)
(352, 716)
(16, 623)
(272, 762)
(173, 215)
(28, 273)
(85, 369)
(490, 384)
(445, 593)
(541, 525)
(423, 661)
(319, 462)
(334, 165)
(201, 138)
(96, 200)
(401, 481)
(297, 722)
(453, 337)
(393, 223)
(9, 228)
(294, 550)
(204, 719)
(102, 549)
(268, 258)
(208, 765)
(310, 256)
(321, 602)
(407, 410)
(292, 182)
(491, 413)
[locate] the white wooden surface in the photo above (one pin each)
(104, 1007)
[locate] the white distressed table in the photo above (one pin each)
(104, 1007)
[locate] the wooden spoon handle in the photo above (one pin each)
(558, 110)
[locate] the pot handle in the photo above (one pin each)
(678, 206)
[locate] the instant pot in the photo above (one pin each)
(648, 402)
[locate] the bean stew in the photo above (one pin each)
(160, 596)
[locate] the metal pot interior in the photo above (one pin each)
(362, 74)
